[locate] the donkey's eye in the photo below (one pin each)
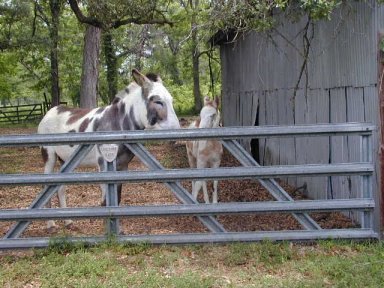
(156, 100)
(160, 103)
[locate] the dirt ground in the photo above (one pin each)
(171, 155)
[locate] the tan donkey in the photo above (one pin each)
(206, 153)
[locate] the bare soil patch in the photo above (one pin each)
(171, 155)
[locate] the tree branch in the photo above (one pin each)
(307, 44)
(42, 15)
(115, 24)
(139, 20)
(82, 18)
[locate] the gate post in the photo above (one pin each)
(366, 180)
(112, 224)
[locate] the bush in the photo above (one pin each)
(183, 101)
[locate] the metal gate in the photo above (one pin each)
(250, 169)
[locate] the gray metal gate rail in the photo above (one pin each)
(205, 212)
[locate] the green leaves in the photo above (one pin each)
(319, 9)
(243, 16)
(165, 49)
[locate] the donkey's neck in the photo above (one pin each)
(133, 112)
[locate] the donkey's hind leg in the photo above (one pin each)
(201, 163)
(197, 187)
(215, 184)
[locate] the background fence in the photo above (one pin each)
(15, 114)
(21, 113)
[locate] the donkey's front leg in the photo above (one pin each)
(51, 225)
(196, 186)
(214, 196)
(202, 163)
(104, 187)
(49, 157)
(104, 190)
(121, 165)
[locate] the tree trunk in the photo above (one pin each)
(54, 37)
(90, 72)
(140, 47)
(195, 58)
(173, 68)
(111, 62)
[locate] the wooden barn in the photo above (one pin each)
(306, 73)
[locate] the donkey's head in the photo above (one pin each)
(159, 102)
(210, 114)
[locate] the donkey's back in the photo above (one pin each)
(61, 119)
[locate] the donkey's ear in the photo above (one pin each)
(154, 77)
(140, 79)
(216, 101)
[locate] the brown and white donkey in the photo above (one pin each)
(144, 104)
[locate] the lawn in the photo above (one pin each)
(266, 264)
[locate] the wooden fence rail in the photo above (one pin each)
(21, 113)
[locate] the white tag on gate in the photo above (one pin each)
(109, 151)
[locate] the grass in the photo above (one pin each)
(29, 124)
(266, 264)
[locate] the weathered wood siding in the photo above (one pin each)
(339, 84)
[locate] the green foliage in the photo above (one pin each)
(70, 57)
(183, 99)
(15, 41)
(242, 16)
(319, 9)
(7, 66)
(164, 49)
(382, 45)
(110, 11)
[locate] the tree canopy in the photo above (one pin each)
(163, 36)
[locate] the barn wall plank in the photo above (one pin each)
(318, 112)
(262, 122)
(339, 148)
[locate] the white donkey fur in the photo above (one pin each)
(205, 153)
(144, 104)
